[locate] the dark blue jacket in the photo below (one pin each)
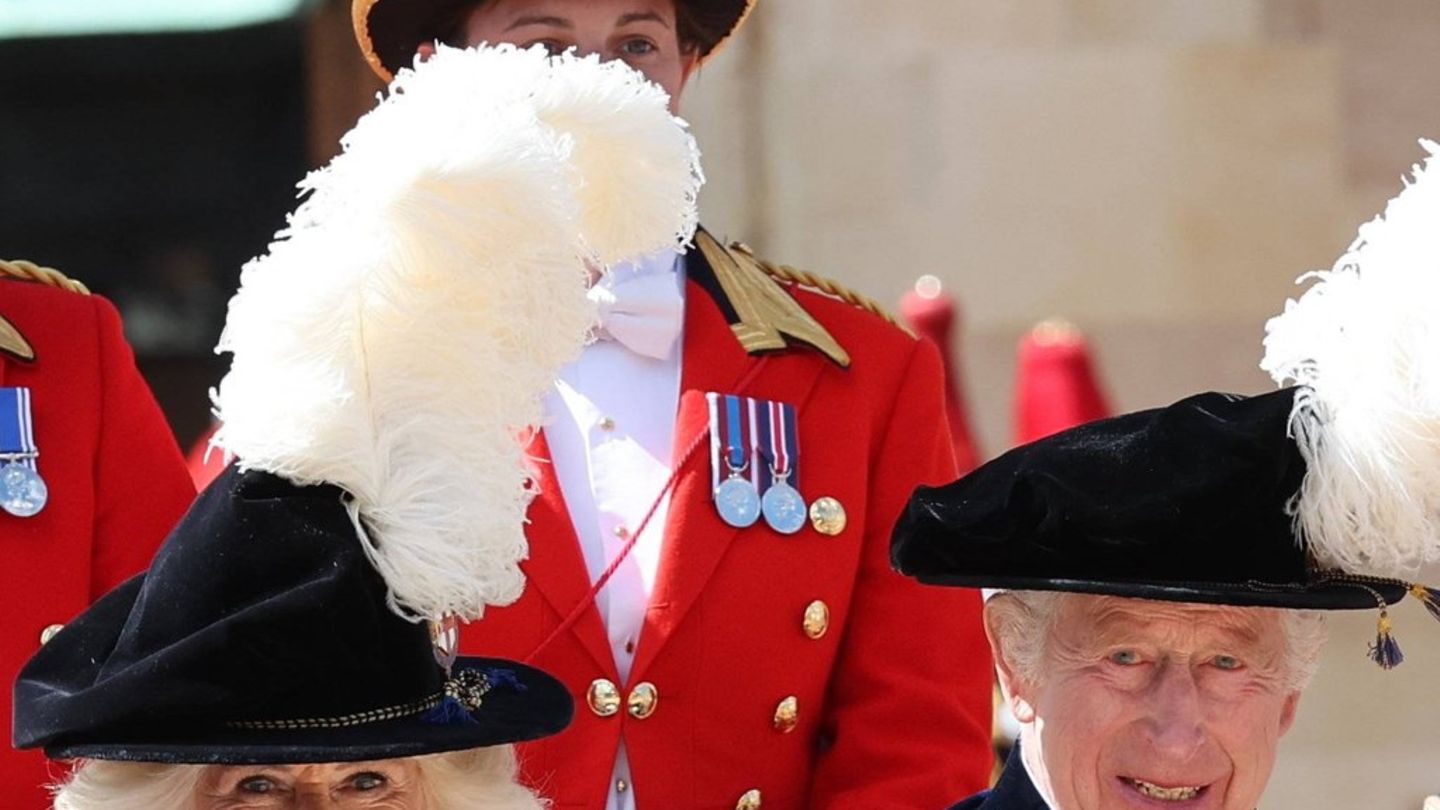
(1012, 792)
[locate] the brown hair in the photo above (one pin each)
(699, 26)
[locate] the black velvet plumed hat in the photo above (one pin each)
(1185, 503)
(261, 634)
(1324, 494)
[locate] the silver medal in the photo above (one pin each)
(784, 508)
(22, 491)
(738, 502)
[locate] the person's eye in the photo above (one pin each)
(256, 784)
(1125, 658)
(368, 780)
(1226, 662)
(638, 46)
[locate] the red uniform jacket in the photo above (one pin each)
(893, 701)
(117, 484)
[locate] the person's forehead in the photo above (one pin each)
(319, 770)
(1105, 616)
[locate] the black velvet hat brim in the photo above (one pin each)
(507, 716)
(1324, 596)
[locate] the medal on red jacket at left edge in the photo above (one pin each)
(23, 492)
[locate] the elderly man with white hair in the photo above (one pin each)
(1174, 702)
(1157, 581)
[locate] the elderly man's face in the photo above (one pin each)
(641, 33)
(1151, 704)
(392, 784)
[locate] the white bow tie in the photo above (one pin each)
(644, 313)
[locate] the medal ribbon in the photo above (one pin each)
(777, 441)
(736, 438)
(782, 453)
(17, 428)
(717, 442)
(729, 439)
(757, 412)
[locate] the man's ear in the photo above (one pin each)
(1012, 687)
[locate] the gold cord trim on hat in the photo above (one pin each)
(466, 688)
(30, 271)
(1385, 650)
(345, 720)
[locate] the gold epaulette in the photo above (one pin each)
(786, 274)
(11, 341)
(30, 271)
(767, 315)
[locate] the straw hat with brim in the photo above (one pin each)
(389, 31)
(261, 634)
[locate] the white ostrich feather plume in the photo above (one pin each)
(399, 336)
(1364, 343)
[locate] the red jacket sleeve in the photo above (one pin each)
(909, 709)
(141, 485)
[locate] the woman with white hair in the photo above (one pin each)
(258, 665)
(478, 779)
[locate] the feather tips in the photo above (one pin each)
(618, 154)
(402, 331)
(1363, 342)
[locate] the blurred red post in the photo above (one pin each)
(933, 314)
(1055, 383)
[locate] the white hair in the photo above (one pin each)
(477, 779)
(1022, 620)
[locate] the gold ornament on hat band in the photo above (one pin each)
(1385, 651)
(468, 689)
(445, 641)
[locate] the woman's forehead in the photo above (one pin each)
(316, 770)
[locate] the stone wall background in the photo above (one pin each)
(1156, 171)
